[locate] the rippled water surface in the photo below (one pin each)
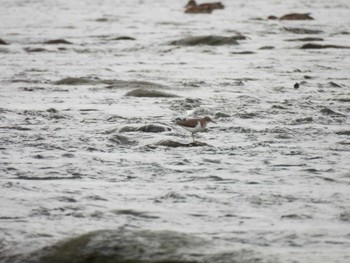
(75, 156)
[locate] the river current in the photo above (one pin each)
(273, 174)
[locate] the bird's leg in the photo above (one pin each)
(193, 137)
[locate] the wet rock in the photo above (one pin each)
(334, 85)
(134, 84)
(221, 115)
(318, 46)
(142, 246)
(123, 38)
(296, 30)
(327, 111)
(153, 128)
(208, 40)
(150, 94)
(57, 42)
(103, 19)
(296, 216)
(18, 128)
(121, 140)
(345, 216)
(76, 81)
(266, 48)
(3, 42)
(272, 17)
(35, 49)
(297, 16)
(296, 85)
(292, 16)
(113, 83)
(243, 53)
(306, 39)
(302, 121)
(175, 144)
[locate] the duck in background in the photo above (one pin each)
(206, 8)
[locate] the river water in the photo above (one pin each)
(274, 177)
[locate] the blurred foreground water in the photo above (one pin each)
(89, 95)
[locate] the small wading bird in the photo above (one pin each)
(194, 125)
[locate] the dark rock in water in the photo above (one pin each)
(113, 83)
(143, 246)
(175, 144)
(57, 42)
(296, 16)
(296, 85)
(327, 111)
(149, 93)
(208, 40)
(121, 140)
(307, 77)
(243, 53)
(35, 49)
(272, 17)
(296, 30)
(123, 38)
(318, 46)
(266, 48)
(345, 216)
(75, 81)
(154, 128)
(221, 115)
(334, 85)
(306, 39)
(302, 121)
(344, 132)
(2, 42)
(134, 84)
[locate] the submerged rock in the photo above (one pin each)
(123, 38)
(135, 84)
(154, 128)
(318, 46)
(57, 41)
(2, 42)
(292, 16)
(124, 246)
(142, 246)
(76, 81)
(327, 111)
(297, 16)
(113, 83)
(297, 30)
(208, 40)
(175, 144)
(121, 140)
(306, 39)
(35, 49)
(149, 93)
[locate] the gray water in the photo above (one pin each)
(274, 177)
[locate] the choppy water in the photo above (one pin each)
(275, 178)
